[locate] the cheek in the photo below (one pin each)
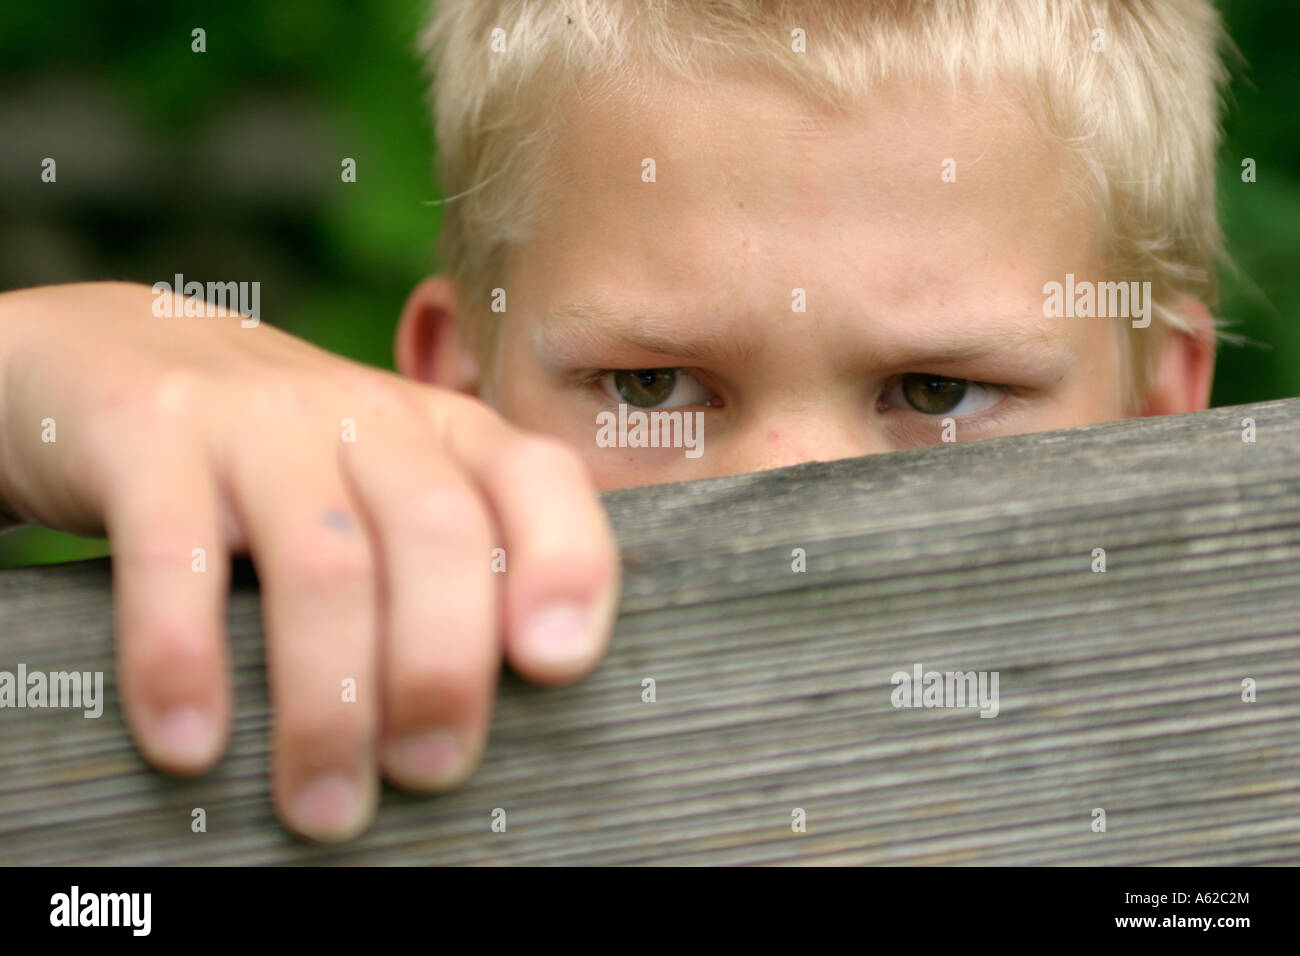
(523, 393)
(1112, 370)
(529, 397)
(1097, 392)
(609, 470)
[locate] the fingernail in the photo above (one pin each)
(432, 759)
(559, 634)
(328, 807)
(183, 734)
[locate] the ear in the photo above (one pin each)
(428, 345)
(1182, 369)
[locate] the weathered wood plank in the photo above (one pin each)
(1119, 690)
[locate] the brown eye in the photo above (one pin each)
(933, 394)
(645, 387)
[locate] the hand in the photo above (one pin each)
(370, 505)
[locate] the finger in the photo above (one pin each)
(562, 574)
(441, 650)
(314, 566)
(171, 572)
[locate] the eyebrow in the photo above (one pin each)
(574, 330)
(981, 341)
(577, 328)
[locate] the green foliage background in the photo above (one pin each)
(226, 164)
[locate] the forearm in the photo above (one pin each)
(30, 334)
(8, 320)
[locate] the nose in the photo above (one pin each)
(792, 438)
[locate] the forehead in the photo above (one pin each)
(755, 188)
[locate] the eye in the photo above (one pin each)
(937, 395)
(653, 387)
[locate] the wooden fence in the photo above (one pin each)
(1124, 690)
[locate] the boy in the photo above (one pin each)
(820, 229)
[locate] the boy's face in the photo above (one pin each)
(924, 298)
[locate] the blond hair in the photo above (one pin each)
(1132, 87)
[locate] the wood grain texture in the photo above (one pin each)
(1119, 690)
